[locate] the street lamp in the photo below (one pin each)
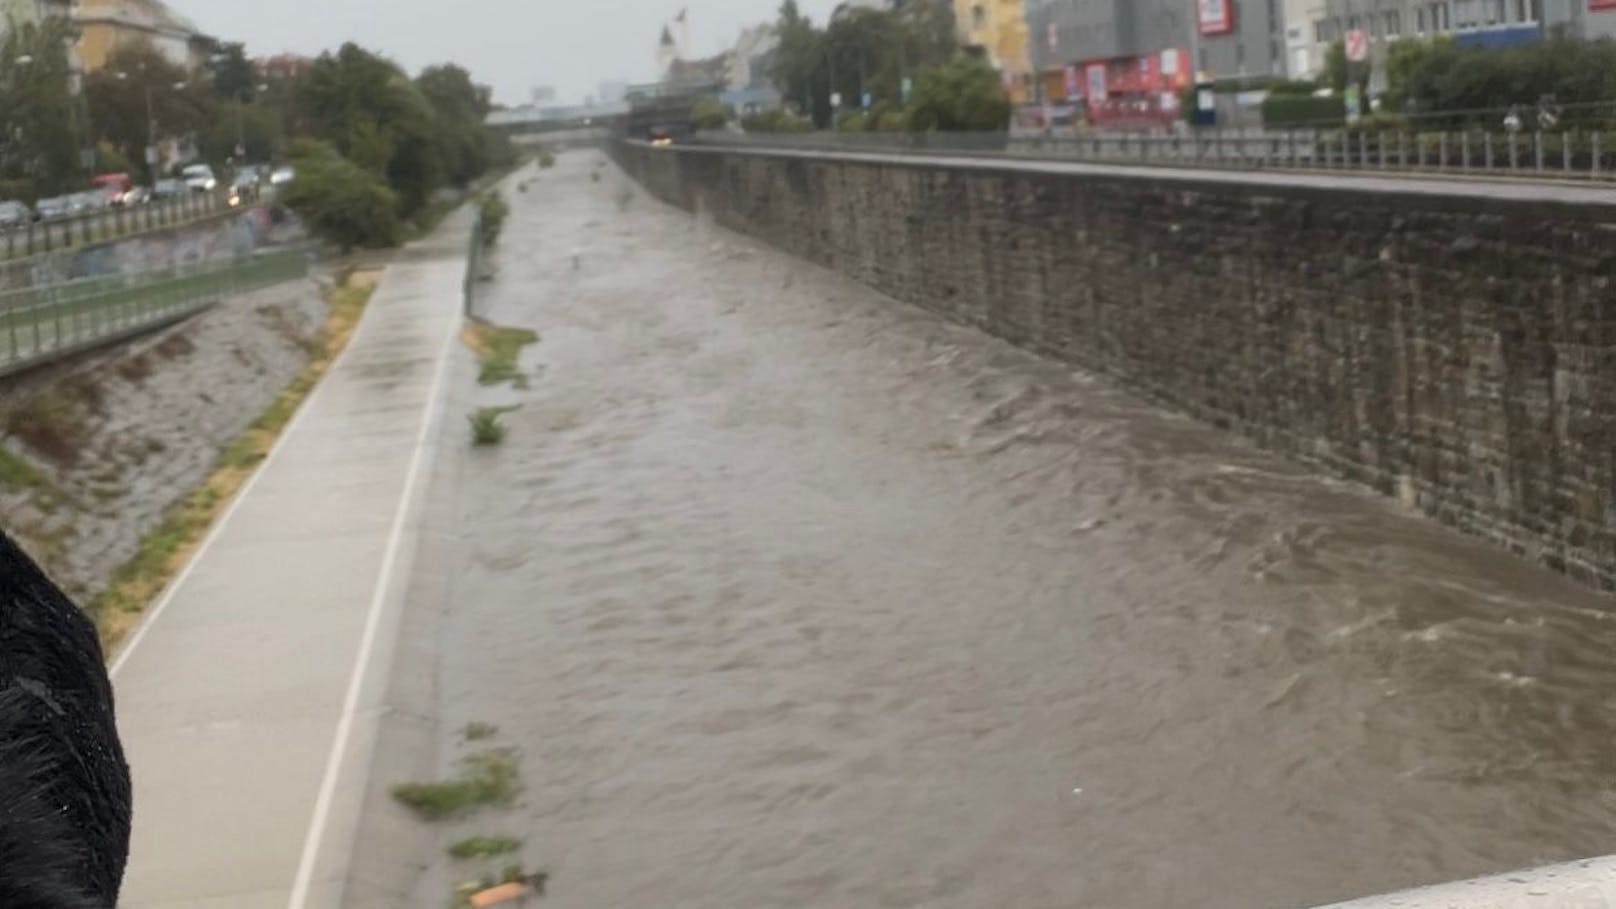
(241, 116)
(152, 157)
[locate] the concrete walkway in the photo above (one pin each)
(250, 701)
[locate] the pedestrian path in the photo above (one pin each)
(249, 700)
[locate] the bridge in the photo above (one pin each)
(902, 528)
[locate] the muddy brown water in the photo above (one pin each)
(792, 595)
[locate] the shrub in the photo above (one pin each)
(487, 779)
(487, 427)
(494, 212)
(341, 202)
(963, 95)
(1299, 110)
(710, 113)
(778, 120)
(473, 847)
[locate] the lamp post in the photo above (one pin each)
(153, 158)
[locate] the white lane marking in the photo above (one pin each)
(223, 522)
(367, 643)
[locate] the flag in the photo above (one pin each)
(681, 17)
(667, 37)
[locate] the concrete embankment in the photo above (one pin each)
(1448, 343)
(94, 449)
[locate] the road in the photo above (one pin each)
(794, 595)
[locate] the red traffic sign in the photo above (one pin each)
(1357, 45)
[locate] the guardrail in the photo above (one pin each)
(108, 224)
(43, 323)
(1565, 155)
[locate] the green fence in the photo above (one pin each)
(42, 323)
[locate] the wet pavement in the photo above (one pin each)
(794, 595)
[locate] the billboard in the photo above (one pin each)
(1601, 6)
(1216, 17)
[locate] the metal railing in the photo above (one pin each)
(39, 324)
(108, 224)
(1584, 155)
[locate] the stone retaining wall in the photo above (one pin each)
(1457, 352)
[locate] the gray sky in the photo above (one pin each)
(512, 45)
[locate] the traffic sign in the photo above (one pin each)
(1357, 45)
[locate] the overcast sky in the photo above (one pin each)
(512, 45)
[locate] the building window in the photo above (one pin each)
(1496, 12)
(1352, 23)
(1523, 11)
(1440, 21)
(1394, 23)
(1464, 13)
(1419, 21)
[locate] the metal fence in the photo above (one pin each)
(43, 323)
(108, 224)
(1582, 155)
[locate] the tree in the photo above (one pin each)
(709, 113)
(39, 148)
(374, 115)
(233, 74)
(340, 201)
(861, 51)
(136, 75)
(963, 95)
(260, 127)
(799, 70)
(460, 106)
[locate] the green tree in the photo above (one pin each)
(963, 95)
(709, 113)
(374, 115)
(460, 106)
(233, 75)
(259, 126)
(799, 70)
(136, 75)
(1335, 67)
(341, 202)
(44, 126)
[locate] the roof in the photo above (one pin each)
(144, 15)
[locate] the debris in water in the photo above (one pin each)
(497, 896)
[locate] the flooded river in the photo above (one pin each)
(792, 595)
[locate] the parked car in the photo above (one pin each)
(168, 189)
(113, 186)
(200, 178)
(14, 214)
(137, 195)
(86, 202)
(282, 175)
(53, 207)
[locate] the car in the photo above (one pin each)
(200, 178)
(137, 195)
(113, 186)
(14, 214)
(86, 202)
(168, 188)
(53, 207)
(282, 175)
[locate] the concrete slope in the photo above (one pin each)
(251, 700)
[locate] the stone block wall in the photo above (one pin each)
(1457, 352)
